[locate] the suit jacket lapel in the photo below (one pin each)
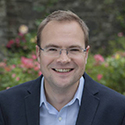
(32, 102)
(89, 104)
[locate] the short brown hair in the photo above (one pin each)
(62, 15)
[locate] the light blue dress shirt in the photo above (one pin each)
(67, 115)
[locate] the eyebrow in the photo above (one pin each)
(72, 46)
(52, 45)
(57, 46)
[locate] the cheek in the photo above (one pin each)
(80, 62)
(45, 62)
(82, 65)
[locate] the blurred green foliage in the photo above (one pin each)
(110, 71)
(21, 64)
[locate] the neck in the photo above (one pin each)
(59, 97)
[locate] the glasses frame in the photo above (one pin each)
(43, 49)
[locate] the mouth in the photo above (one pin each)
(63, 70)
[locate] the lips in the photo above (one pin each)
(62, 70)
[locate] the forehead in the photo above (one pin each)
(54, 23)
(64, 31)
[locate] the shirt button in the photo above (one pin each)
(60, 118)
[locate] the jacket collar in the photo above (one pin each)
(88, 108)
(90, 102)
(32, 101)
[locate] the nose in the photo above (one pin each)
(62, 50)
(63, 57)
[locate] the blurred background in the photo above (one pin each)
(19, 20)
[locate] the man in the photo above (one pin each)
(64, 94)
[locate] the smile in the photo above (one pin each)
(63, 70)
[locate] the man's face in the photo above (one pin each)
(62, 72)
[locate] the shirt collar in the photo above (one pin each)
(78, 94)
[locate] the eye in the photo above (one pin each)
(75, 49)
(51, 49)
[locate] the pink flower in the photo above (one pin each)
(13, 75)
(34, 56)
(99, 77)
(17, 79)
(27, 62)
(99, 58)
(7, 87)
(36, 68)
(10, 43)
(39, 73)
(120, 34)
(2, 64)
(13, 66)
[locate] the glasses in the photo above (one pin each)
(55, 51)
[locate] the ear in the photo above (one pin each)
(38, 53)
(87, 52)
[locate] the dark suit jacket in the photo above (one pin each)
(19, 105)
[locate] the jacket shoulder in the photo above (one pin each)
(20, 90)
(103, 92)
